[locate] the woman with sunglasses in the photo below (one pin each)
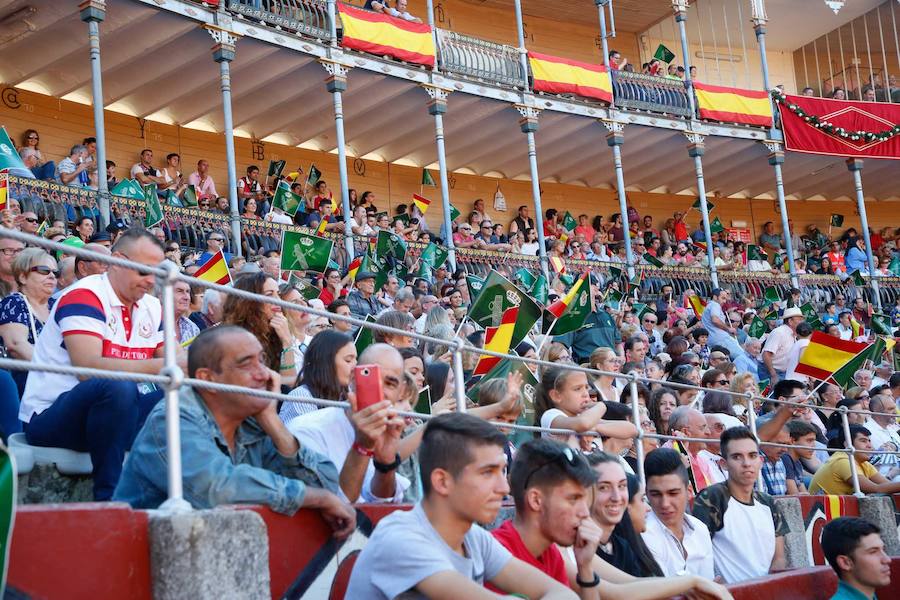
(23, 314)
(42, 170)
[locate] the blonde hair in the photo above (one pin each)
(600, 355)
(26, 259)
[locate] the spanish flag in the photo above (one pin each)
(557, 75)
(558, 265)
(4, 187)
(384, 35)
(322, 225)
(353, 269)
(421, 203)
(697, 304)
(825, 354)
(559, 307)
(497, 339)
(215, 269)
(733, 105)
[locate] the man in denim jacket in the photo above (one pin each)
(235, 449)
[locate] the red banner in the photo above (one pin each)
(802, 135)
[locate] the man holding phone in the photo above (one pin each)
(364, 442)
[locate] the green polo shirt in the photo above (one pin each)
(599, 330)
(848, 592)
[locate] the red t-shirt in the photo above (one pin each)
(550, 562)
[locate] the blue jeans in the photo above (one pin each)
(9, 406)
(98, 416)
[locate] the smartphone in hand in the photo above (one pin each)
(367, 384)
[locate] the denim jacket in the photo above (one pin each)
(255, 474)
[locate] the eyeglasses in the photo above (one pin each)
(30, 220)
(722, 382)
(11, 251)
(565, 453)
(43, 270)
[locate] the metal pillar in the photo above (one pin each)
(529, 125)
(601, 13)
(614, 139)
(696, 149)
(680, 7)
(93, 12)
(776, 159)
(855, 165)
(223, 53)
(437, 106)
(520, 31)
(759, 19)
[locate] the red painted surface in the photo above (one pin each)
(74, 551)
(816, 583)
(817, 511)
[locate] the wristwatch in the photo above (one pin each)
(588, 584)
(387, 467)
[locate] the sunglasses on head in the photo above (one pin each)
(565, 453)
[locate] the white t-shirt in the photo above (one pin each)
(570, 440)
(669, 552)
(794, 359)
(405, 549)
(779, 343)
(90, 307)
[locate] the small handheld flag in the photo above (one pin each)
(215, 269)
(421, 203)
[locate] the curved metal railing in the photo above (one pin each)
(651, 93)
(306, 17)
(479, 59)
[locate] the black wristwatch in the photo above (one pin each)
(590, 584)
(387, 467)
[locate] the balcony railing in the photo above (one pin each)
(307, 17)
(479, 59)
(647, 92)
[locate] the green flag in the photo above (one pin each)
(615, 272)
(153, 212)
(276, 168)
(427, 179)
(881, 324)
(314, 175)
(573, 316)
(476, 284)
(809, 313)
(8, 483)
(716, 226)
(539, 290)
(896, 357)
(894, 267)
(286, 200)
(9, 157)
(434, 255)
(771, 295)
(698, 205)
(857, 278)
(757, 328)
(306, 289)
(640, 309)
(755, 252)
(390, 244)
(763, 387)
(664, 54)
(374, 265)
(844, 376)
(653, 260)
(128, 188)
(837, 220)
(498, 294)
(454, 214)
(189, 198)
(501, 370)
(173, 200)
(423, 404)
(526, 278)
(303, 252)
(613, 299)
(364, 337)
(424, 271)
(569, 223)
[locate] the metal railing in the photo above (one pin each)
(171, 378)
(637, 91)
(306, 17)
(479, 59)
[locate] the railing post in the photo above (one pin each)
(93, 12)
(336, 84)
(223, 53)
(459, 385)
(601, 13)
(529, 125)
(855, 165)
(680, 8)
(751, 425)
(614, 139)
(848, 445)
(636, 418)
(520, 32)
(776, 159)
(176, 501)
(696, 149)
(759, 19)
(437, 106)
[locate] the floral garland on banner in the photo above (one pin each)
(831, 128)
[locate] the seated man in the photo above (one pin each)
(749, 541)
(854, 549)
(550, 484)
(679, 542)
(835, 476)
(109, 322)
(234, 447)
(436, 550)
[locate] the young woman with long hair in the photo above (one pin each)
(327, 368)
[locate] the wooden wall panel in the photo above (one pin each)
(62, 123)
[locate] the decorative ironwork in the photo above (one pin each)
(647, 92)
(305, 17)
(479, 59)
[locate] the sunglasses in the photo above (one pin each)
(722, 381)
(33, 137)
(30, 220)
(217, 239)
(43, 270)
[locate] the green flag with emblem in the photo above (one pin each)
(539, 290)
(306, 289)
(526, 277)
(434, 256)
(894, 267)
(771, 295)
(189, 197)
(574, 315)
(128, 188)
(640, 309)
(844, 376)
(173, 200)
(276, 168)
(475, 283)
(809, 313)
(615, 272)
(427, 179)
(613, 299)
(716, 226)
(153, 211)
(303, 252)
(857, 278)
(501, 370)
(664, 54)
(569, 223)
(881, 324)
(496, 295)
(389, 244)
(758, 328)
(454, 213)
(9, 157)
(314, 175)
(286, 200)
(755, 252)
(424, 271)
(697, 205)
(376, 266)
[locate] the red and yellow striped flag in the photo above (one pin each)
(322, 225)
(825, 354)
(384, 35)
(4, 187)
(353, 269)
(559, 307)
(697, 304)
(834, 506)
(733, 105)
(497, 339)
(421, 203)
(564, 76)
(558, 265)
(215, 269)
